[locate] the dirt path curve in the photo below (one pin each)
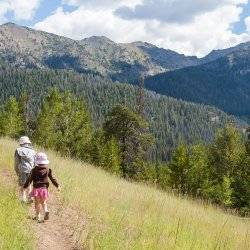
(66, 228)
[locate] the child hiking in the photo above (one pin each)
(40, 176)
(24, 163)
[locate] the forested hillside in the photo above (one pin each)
(223, 83)
(170, 120)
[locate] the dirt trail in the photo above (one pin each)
(66, 228)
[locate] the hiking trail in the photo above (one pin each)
(66, 228)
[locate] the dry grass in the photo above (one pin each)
(14, 229)
(125, 215)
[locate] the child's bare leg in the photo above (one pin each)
(45, 209)
(22, 193)
(37, 207)
(28, 192)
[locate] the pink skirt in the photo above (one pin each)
(41, 193)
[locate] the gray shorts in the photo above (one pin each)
(22, 178)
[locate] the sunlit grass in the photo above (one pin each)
(14, 232)
(123, 215)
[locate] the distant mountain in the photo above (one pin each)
(215, 54)
(166, 58)
(220, 79)
(223, 82)
(28, 48)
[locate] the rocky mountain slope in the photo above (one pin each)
(28, 48)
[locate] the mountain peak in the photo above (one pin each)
(143, 44)
(9, 24)
(98, 39)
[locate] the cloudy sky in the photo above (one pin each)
(192, 27)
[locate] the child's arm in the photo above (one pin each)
(16, 163)
(29, 180)
(53, 179)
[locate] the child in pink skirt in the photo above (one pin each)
(40, 176)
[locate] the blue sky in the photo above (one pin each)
(192, 27)
(240, 27)
(45, 9)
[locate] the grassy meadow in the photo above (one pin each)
(15, 233)
(123, 215)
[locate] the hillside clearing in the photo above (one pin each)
(62, 231)
(123, 215)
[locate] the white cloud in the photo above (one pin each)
(21, 9)
(106, 4)
(83, 23)
(178, 11)
(3, 9)
(206, 29)
(247, 22)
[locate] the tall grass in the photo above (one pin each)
(14, 234)
(123, 215)
(14, 230)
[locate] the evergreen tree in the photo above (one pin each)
(126, 127)
(197, 175)
(104, 152)
(240, 197)
(227, 152)
(96, 148)
(64, 125)
(141, 97)
(225, 157)
(179, 167)
(24, 111)
(110, 157)
(11, 119)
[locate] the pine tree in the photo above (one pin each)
(64, 125)
(197, 175)
(24, 111)
(179, 167)
(11, 119)
(141, 97)
(110, 157)
(240, 197)
(225, 157)
(126, 126)
(96, 148)
(226, 152)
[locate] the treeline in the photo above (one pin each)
(218, 172)
(64, 125)
(170, 120)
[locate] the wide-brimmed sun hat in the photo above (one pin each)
(41, 159)
(24, 140)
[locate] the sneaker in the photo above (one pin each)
(29, 201)
(46, 216)
(34, 218)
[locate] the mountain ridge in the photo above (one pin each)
(223, 83)
(28, 48)
(219, 79)
(25, 47)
